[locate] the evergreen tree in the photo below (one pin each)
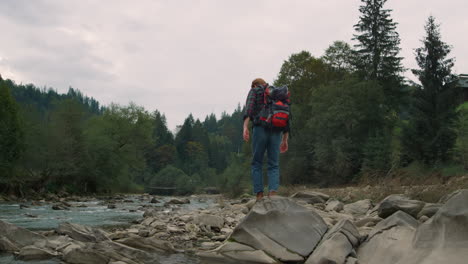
(378, 48)
(430, 134)
(11, 137)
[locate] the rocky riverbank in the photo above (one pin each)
(308, 227)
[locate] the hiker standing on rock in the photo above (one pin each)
(269, 109)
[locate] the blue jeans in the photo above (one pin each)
(269, 141)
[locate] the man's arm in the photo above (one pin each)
(284, 142)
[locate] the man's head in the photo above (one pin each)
(258, 82)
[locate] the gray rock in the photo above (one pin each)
(334, 205)
(359, 208)
(311, 197)
(337, 244)
(389, 240)
(397, 202)
(281, 228)
(82, 233)
(444, 237)
(149, 244)
(429, 210)
(179, 201)
(367, 220)
(209, 220)
(232, 252)
(13, 237)
(35, 253)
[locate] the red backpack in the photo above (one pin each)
(276, 110)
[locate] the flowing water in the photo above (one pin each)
(90, 213)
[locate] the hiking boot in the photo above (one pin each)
(259, 196)
(272, 193)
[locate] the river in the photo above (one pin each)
(93, 212)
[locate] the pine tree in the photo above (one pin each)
(11, 136)
(430, 135)
(378, 48)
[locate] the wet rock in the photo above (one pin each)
(59, 207)
(82, 233)
(111, 206)
(154, 200)
(396, 202)
(281, 228)
(311, 197)
(359, 208)
(337, 244)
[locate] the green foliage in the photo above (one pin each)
(461, 146)
(235, 180)
(11, 138)
(430, 136)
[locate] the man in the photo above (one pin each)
(264, 139)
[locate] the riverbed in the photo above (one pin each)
(39, 216)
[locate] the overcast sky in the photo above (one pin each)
(193, 56)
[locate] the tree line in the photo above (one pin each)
(355, 117)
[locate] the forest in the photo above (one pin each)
(356, 118)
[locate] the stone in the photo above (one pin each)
(337, 244)
(444, 237)
(179, 201)
(82, 233)
(334, 205)
(368, 221)
(59, 207)
(429, 210)
(33, 253)
(281, 228)
(389, 240)
(311, 197)
(13, 237)
(149, 244)
(396, 202)
(209, 220)
(154, 200)
(359, 208)
(233, 252)
(111, 206)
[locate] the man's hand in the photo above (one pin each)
(246, 134)
(284, 143)
(246, 129)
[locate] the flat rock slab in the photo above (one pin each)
(359, 208)
(281, 228)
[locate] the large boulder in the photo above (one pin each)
(337, 245)
(281, 228)
(359, 208)
(389, 240)
(311, 197)
(334, 205)
(397, 202)
(13, 237)
(82, 233)
(444, 237)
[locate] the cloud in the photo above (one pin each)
(188, 56)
